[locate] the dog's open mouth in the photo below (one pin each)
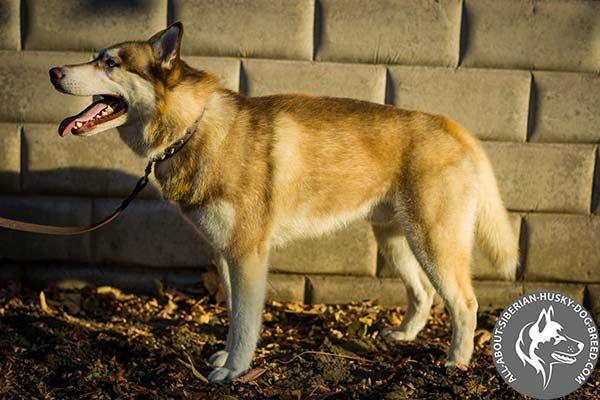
(106, 109)
(563, 358)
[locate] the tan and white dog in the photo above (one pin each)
(260, 171)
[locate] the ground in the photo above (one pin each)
(98, 343)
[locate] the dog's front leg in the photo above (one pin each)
(219, 358)
(248, 277)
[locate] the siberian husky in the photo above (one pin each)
(260, 171)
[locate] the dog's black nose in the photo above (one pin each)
(56, 74)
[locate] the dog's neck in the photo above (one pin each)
(177, 109)
(197, 161)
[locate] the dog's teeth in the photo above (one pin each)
(109, 109)
(78, 124)
(104, 113)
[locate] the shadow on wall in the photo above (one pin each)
(77, 182)
(150, 233)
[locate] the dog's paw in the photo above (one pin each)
(223, 375)
(218, 359)
(397, 335)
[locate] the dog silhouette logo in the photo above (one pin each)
(545, 345)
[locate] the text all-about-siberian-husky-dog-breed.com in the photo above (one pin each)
(260, 171)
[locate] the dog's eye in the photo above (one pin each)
(558, 339)
(110, 63)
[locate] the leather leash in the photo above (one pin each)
(141, 184)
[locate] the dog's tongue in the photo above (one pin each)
(84, 116)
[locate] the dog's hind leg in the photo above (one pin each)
(219, 358)
(455, 288)
(395, 249)
(248, 277)
(442, 242)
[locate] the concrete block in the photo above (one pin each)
(573, 290)
(593, 301)
(83, 25)
(150, 233)
(131, 279)
(280, 287)
(544, 177)
(247, 28)
(492, 295)
(10, 272)
(563, 248)
(351, 251)
(101, 165)
(363, 82)
(567, 107)
(21, 246)
(482, 267)
(286, 287)
(227, 68)
(336, 289)
(182, 277)
(10, 158)
(493, 104)
(26, 93)
(414, 32)
(551, 35)
(10, 25)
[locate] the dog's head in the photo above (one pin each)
(128, 80)
(544, 343)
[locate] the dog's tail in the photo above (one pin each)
(494, 231)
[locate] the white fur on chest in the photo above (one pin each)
(215, 221)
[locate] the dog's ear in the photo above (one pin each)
(166, 45)
(544, 318)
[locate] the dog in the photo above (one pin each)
(260, 171)
(543, 344)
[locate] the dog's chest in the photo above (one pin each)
(215, 221)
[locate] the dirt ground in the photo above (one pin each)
(99, 343)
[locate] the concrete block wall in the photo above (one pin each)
(522, 75)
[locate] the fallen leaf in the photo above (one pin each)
(482, 337)
(72, 302)
(295, 307)
(395, 319)
(211, 280)
(204, 318)
(191, 366)
(169, 309)
(116, 293)
(251, 375)
(195, 395)
(336, 334)
(43, 304)
(462, 367)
